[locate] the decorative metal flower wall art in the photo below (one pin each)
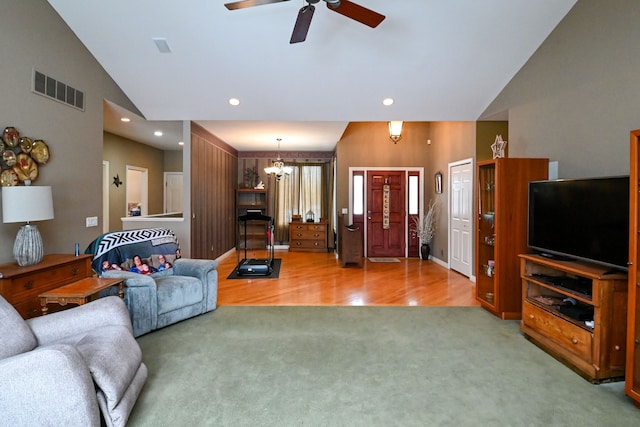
(21, 157)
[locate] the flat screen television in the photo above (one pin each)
(584, 219)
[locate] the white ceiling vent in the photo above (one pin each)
(56, 90)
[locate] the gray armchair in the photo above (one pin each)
(184, 288)
(188, 289)
(69, 367)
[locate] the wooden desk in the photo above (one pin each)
(79, 292)
(21, 286)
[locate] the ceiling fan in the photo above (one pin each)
(349, 9)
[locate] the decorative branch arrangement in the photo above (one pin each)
(425, 228)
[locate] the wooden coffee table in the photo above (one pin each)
(79, 292)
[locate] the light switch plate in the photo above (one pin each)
(91, 221)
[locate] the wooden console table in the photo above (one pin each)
(20, 286)
(79, 292)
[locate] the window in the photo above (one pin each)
(413, 195)
(358, 194)
(297, 194)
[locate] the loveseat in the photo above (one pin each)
(66, 368)
(186, 288)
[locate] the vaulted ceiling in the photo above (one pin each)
(440, 60)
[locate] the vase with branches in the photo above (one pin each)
(424, 228)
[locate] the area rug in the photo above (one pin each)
(275, 272)
(363, 367)
(384, 260)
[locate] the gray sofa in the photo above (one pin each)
(186, 289)
(67, 368)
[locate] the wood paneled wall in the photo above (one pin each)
(214, 172)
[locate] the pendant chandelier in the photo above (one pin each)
(278, 169)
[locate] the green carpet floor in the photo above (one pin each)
(363, 366)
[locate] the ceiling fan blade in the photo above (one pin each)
(249, 3)
(303, 22)
(358, 13)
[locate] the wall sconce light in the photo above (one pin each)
(395, 131)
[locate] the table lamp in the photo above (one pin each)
(26, 204)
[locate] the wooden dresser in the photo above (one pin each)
(22, 285)
(308, 236)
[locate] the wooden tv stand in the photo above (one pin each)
(596, 352)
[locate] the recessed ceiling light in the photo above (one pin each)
(387, 101)
(125, 119)
(180, 142)
(157, 133)
(234, 101)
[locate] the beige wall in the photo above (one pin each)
(120, 153)
(486, 133)
(430, 145)
(450, 142)
(173, 161)
(367, 144)
(576, 99)
(34, 36)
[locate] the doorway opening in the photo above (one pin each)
(137, 191)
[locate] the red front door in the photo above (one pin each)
(386, 214)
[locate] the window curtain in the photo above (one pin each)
(302, 191)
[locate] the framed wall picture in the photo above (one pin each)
(438, 182)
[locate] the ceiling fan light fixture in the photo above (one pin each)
(395, 130)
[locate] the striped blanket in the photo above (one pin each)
(119, 247)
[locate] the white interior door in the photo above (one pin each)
(137, 193)
(461, 227)
(172, 192)
(106, 182)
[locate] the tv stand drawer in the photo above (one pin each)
(569, 336)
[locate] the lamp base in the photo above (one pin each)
(28, 248)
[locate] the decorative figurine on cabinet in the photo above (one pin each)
(498, 147)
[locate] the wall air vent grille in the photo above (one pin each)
(56, 90)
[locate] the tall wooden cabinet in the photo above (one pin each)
(501, 230)
(632, 372)
(247, 201)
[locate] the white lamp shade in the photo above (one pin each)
(26, 203)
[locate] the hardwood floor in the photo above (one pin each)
(319, 279)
